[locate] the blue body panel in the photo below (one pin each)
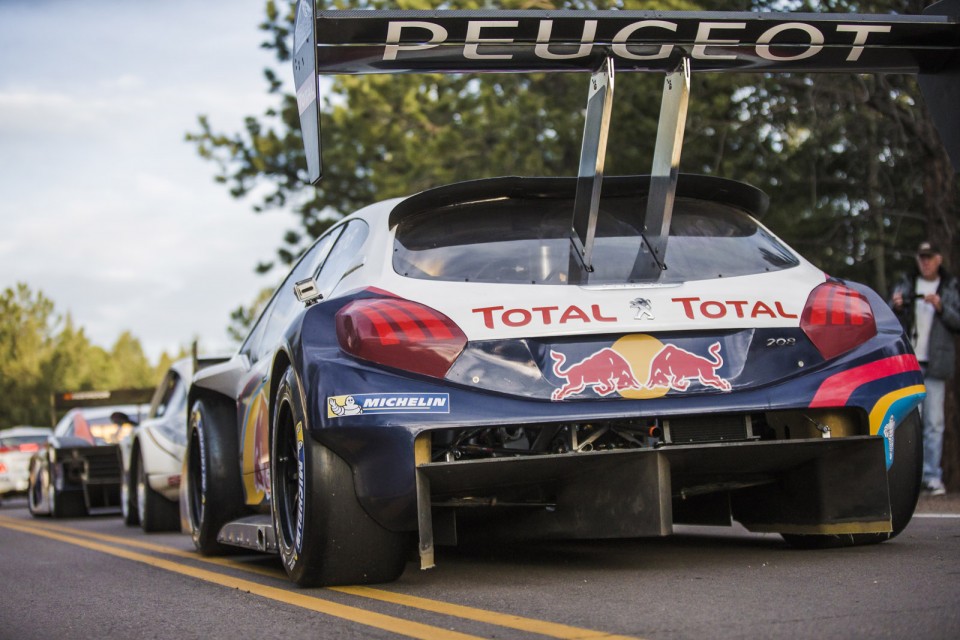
(380, 445)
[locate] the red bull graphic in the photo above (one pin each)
(674, 367)
(605, 371)
(638, 367)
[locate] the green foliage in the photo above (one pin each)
(854, 169)
(849, 162)
(242, 318)
(42, 353)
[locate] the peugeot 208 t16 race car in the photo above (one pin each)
(454, 361)
(581, 357)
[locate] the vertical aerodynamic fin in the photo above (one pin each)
(305, 80)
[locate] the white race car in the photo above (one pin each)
(17, 446)
(153, 454)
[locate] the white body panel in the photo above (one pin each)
(162, 461)
(488, 311)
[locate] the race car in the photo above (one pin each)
(17, 446)
(584, 357)
(153, 453)
(78, 471)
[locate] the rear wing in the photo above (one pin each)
(63, 401)
(676, 43)
(66, 400)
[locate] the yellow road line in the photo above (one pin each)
(542, 627)
(509, 621)
(149, 546)
(399, 626)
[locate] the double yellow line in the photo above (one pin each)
(401, 626)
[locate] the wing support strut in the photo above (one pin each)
(666, 161)
(663, 176)
(593, 151)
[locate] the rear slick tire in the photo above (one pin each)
(67, 504)
(904, 483)
(214, 491)
(324, 535)
(128, 494)
(154, 512)
(35, 490)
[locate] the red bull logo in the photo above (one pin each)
(605, 371)
(662, 368)
(674, 367)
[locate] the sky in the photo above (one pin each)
(104, 208)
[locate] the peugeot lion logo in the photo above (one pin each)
(644, 309)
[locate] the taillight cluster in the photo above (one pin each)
(400, 333)
(25, 448)
(836, 319)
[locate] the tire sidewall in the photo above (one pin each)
(128, 493)
(144, 512)
(200, 526)
(36, 489)
(904, 477)
(288, 414)
(214, 491)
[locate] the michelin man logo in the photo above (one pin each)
(888, 430)
(343, 406)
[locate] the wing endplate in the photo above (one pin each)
(941, 89)
(305, 80)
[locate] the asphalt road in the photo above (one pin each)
(95, 578)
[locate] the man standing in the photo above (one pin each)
(928, 305)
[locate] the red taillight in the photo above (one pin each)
(836, 319)
(29, 447)
(400, 333)
(6, 449)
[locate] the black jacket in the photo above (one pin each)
(945, 322)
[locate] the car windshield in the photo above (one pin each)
(524, 241)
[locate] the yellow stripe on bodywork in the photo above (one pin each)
(879, 412)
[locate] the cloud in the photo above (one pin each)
(32, 112)
(105, 208)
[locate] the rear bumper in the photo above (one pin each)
(13, 485)
(824, 486)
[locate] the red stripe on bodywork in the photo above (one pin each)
(836, 390)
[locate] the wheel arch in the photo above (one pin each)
(281, 362)
(213, 397)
